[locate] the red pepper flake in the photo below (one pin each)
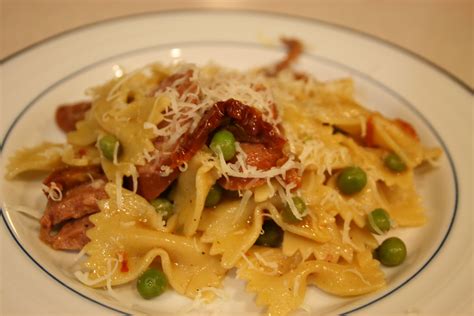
(124, 262)
(124, 266)
(407, 128)
(82, 152)
(369, 132)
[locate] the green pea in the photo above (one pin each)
(272, 235)
(378, 221)
(152, 283)
(164, 207)
(107, 145)
(394, 163)
(288, 215)
(214, 196)
(225, 141)
(351, 180)
(392, 252)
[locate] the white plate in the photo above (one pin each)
(436, 277)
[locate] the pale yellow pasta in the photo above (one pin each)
(391, 136)
(314, 142)
(330, 251)
(330, 103)
(308, 227)
(123, 109)
(232, 229)
(371, 160)
(349, 280)
(283, 288)
(191, 191)
(81, 156)
(86, 132)
(404, 205)
(135, 233)
(44, 157)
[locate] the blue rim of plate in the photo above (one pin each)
(203, 43)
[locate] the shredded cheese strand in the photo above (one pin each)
(354, 271)
(272, 265)
(53, 192)
(243, 204)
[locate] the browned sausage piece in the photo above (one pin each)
(69, 114)
(72, 211)
(75, 203)
(71, 236)
(70, 177)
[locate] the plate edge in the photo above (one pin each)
(461, 83)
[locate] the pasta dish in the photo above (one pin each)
(173, 176)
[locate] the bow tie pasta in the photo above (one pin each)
(172, 176)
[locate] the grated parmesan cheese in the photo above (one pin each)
(90, 177)
(374, 225)
(240, 169)
(183, 167)
(306, 308)
(53, 192)
(154, 129)
(147, 156)
(110, 291)
(251, 266)
(331, 197)
(78, 256)
(96, 184)
(354, 271)
(296, 285)
(196, 247)
(116, 149)
(114, 91)
(134, 174)
(270, 264)
(284, 191)
(249, 263)
(345, 233)
(318, 155)
(165, 171)
(118, 189)
(272, 189)
(243, 204)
